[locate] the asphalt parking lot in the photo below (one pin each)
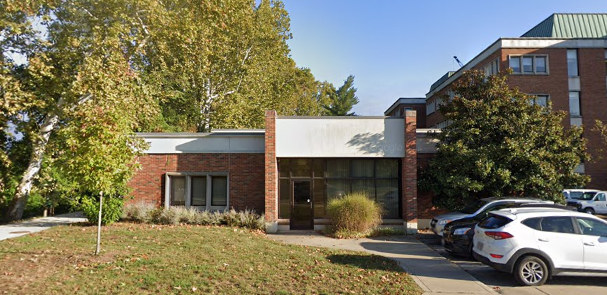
(505, 284)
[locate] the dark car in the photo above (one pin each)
(458, 234)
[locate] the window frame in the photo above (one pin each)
(188, 189)
(521, 57)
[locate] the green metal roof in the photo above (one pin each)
(571, 25)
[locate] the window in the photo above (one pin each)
(574, 104)
(430, 107)
(533, 223)
(378, 178)
(572, 67)
(529, 64)
(539, 99)
(515, 64)
(492, 67)
(600, 197)
(592, 227)
(178, 191)
(557, 225)
(205, 191)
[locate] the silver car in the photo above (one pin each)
(483, 205)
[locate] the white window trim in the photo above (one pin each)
(188, 184)
(534, 64)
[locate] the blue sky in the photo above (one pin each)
(399, 48)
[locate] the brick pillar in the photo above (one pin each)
(271, 174)
(409, 173)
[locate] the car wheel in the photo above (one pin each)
(589, 211)
(531, 271)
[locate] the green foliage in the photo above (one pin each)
(499, 144)
(112, 209)
(353, 213)
(147, 213)
(341, 101)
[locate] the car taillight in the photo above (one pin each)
(498, 235)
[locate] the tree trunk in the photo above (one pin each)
(17, 205)
(99, 224)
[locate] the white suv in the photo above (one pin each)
(535, 244)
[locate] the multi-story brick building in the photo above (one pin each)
(562, 60)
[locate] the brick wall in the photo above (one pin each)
(245, 172)
(271, 168)
(409, 169)
(419, 108)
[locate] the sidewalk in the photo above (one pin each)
(18, 229)
(433, 273)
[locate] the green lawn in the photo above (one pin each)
(140, 259)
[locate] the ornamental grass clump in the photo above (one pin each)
(354, 213)
(139, 212)
(174, 215)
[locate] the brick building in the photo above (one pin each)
(562, 60)
(289, 170)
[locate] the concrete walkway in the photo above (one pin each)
(18, 229)
(433, 273)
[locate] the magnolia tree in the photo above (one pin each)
(500, 143)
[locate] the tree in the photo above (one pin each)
(341, 101)
(500, 144)
(219, 63)
(77, 81)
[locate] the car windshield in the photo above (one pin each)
(473, 207)
(587, 196)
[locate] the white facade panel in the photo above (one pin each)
(343, 137)
(574, 83)
(205, 143)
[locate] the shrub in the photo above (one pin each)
(146, 213)
(112, 209)
(354, 213)
(138, 212)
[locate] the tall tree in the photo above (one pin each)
(218, 63)
(79, 64)
(342, 100)
(499, 144)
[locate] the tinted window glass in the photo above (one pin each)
(592, 227)
(600, 197)
(557, 224)
(575, 195)
(587, 196)
(494, 221)
(533, 223)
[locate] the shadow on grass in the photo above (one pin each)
(365, 262)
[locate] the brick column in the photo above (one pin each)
(271, 174)
(409, 173)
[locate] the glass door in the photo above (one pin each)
(302, 217)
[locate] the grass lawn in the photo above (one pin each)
(144, 259)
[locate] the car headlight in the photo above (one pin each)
(444, 221)
(461, 231)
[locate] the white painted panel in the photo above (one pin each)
(575, 121)
(344, 137)
(580, 169)
(574, 83)
(205, 144)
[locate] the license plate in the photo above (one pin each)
(480, 246)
